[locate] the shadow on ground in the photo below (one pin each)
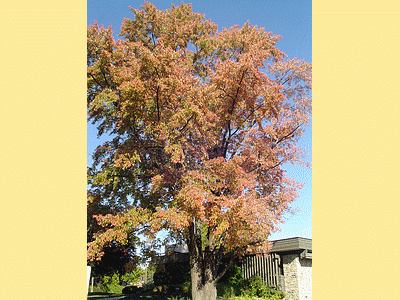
(142, 296)
(138, 296)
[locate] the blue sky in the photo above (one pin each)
(289, 18)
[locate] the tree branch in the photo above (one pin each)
(226, 267)
(225, 140)
(105, 78)
(187, 122)
(96, 80)
(158, 107)
(285, 137)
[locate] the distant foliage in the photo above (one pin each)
(176, 273)
(133, 276)
(113, 283)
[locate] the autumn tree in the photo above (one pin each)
(201, 122)
(117, 258)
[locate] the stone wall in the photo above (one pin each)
(305, 279)
(290, 267)
(298, 275)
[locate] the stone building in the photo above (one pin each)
(288, 266)
(296, 256)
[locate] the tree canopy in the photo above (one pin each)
(201, 122)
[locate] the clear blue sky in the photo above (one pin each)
(289, 18)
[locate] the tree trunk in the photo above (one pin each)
(203, 282)
(203, 265)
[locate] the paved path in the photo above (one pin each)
(112, 298)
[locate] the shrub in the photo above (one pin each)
(234, 285)
(255, 287)
(131, 289)
(110, 284)
(176, 273)
(175, 289)
(161, 278)
(226, 290)
(133, 276)
(160, 289)
(111, 288)
(186, 287)
(234, 275)
(148, 286)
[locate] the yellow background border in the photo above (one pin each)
(355, 152)
(43, 144)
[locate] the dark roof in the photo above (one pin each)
(298, 245)
(174, 257)
(292, 244)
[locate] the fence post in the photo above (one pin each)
(88, 278)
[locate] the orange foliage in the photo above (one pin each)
(203, 119)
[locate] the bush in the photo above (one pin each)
(226, 290)
(178, 298)
(187, 287)
(111, 288)
(131, 289)
(161, 278)
(133, 276)
(175, 288)
(234, 285)
(255, 287)
(160, 289)
(148, 287)
(176, 273)
(111, 284)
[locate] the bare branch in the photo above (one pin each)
(187, 122)
(226, 267)
(158, 107)
(96, 80)
(105, 78)
(285, 137)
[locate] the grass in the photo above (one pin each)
(94, 296)
(140, 296)
(101, 296)
(157, 296)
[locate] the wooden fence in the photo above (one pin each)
(266, 266)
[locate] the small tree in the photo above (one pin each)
(117, 258)
(202, 121)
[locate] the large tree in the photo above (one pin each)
(201, 122)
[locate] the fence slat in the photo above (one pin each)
(265, 266)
